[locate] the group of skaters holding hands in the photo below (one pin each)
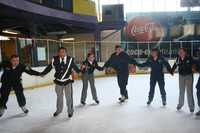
(64, 67)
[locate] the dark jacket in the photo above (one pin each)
(63, 69)
(91, 67)
(198, 69)
(156, 66)
(184, 66)
(120, 62)
(12, 77)
(197, 62)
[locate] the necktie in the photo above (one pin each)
(62, 62)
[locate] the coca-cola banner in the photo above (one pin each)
(144, 29)
(166, 31)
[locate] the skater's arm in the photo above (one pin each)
(1, 66)
(28, 70)
(132, 60)
(147, 63)
(196, 62)
(83, 66)
(48, 68)
(128, 59)
(98, 67)
(4, 64)
(109, 62)
(75, 67)
(198, 66)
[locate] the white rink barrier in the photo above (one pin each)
(37, 81)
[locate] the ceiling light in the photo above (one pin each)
(57, 33)
(13, 32)
(67, 39)
(4, 38)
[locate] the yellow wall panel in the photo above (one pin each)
(84, 7)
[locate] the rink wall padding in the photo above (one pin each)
(31, 82)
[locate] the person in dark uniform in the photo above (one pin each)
(157, 64)
(64, 66)
(87, 68)
(184, 64)
(198, 84)
(11, 79)
(120, 62)
(198, 88)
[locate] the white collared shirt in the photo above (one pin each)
(90, 62)
(65, 59)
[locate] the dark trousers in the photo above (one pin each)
(198, 91)
(5, 92)
(122, 82)
(85, 79)
(161, 84)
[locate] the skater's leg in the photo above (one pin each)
(161, 83)
(5, 92)
(93, 88)
(69, 99)
(59, 105)
(190, 97)
(19, 91)
(119, 84)
(122, 82)
(152, 89)
(125, 84)
(182, 86)
(85, 87)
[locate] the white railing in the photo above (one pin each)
(30, 49)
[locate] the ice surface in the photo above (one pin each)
(108, 117)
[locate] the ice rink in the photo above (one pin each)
(108, 117)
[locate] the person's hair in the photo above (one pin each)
(183, 49)
(155, 50)
(117, 46)
(14, 56)
(89, 54)
(62, 48)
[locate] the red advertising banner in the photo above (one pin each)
(144, 28)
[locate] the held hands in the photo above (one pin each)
(109, 70)
(171, 72)
(83, 67)
(102, 68)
